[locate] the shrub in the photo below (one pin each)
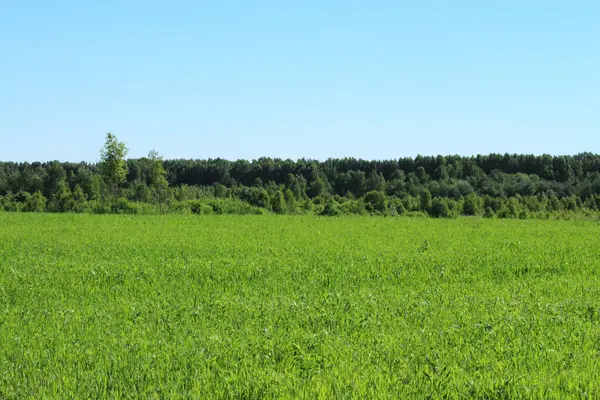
(439, 208)
(199, 207)
(128, 207)
(376, 202)
(331, 209)
(353, 207)
(232, 206)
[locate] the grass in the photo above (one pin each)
(105, 306)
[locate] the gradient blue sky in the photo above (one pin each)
(314, 79)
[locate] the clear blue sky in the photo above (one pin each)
(291, 79)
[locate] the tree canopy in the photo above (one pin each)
(492, 185)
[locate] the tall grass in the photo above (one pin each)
(106, 306)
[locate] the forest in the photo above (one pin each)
(494, 185)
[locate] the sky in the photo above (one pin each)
(298, 79)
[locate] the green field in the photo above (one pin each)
(283, 306)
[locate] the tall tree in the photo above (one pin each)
(113, 167)
(157, 179)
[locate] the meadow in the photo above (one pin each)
(113, 306)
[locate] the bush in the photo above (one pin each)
(376, 202)
(36, 203)
(439, 208)
(99, 207)
(9, 203)
(353, 207)
(128, 207)
(233, 206)
(331, 209)
(396, 206)
(472, 205)
(199, 207)
(179, 207)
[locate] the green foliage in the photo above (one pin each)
(61, 199)
(291, 203)
(79, 203)
(113, 167)
(232, 206)
(200, 207)
(156, 174)
(506, 186)
(375, 182)
(278, 204)
(439, 208)
(128, 207)
(163, 195)
(55, 173)
(98, 207)
(10, 203)
(331, 208)
(425, 200)
(398, 206)
(36, 203)
(472, 205)
(260, 198)
(357, 207)
(317, 188)
(139, 192)
(376, 202)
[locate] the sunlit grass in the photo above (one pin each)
(274, 306)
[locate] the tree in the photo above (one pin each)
(10, 203)
(278, 202)
(471, 205)
(113, 167)
(87, 180)
(36, 203)
(31, 181)
(290, 201)
(61, 198)
(55, 173)
(421, 174)
(375, 182)
(425, 199)
(140, 192)
(317, 187)
(376, 202)
(554, 203)
(157, 179)
(358, 183)
(297, 184)
(331, 208)
(439, 208)
(260, 198)
(441, 173)
(79, 203)
(155, 169)
(3, 182)
(219, 190)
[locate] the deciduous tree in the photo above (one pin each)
(113, 167)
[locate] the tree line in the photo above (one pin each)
(494, 185)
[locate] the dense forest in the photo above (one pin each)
(494, 185)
